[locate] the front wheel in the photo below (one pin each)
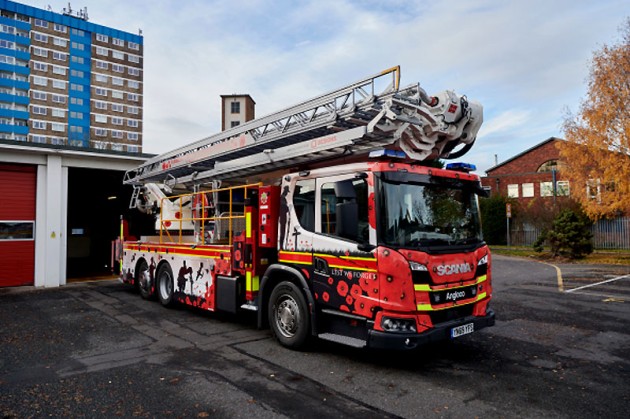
(288, 315)
(165, 285)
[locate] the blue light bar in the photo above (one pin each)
(396, 154)
(461, 167)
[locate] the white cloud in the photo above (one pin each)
(523, 60)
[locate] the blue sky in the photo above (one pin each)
(526, 61)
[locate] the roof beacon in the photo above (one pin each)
(461, 167)
(383, 152)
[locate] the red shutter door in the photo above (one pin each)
(17, 225)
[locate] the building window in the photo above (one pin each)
(132, 97)
(102, 65)
(100, 105)
(117, 107)
(133, 136)
(7, 44)
(7, 59)
(58, 99)
(76, 101)
(76, 87)
(133, 45)
(118, 55)
(132, 110)
(528, 190)
(77, 73)
(76, 129)
(133, 71)
(117, 121)
(76, 115)
(59, 113)
(102, 38)
(512, 190)
(40, 37)
(132, 148)
(235, 124)
(100, 118)
(39, 124)
(117, 134)
(546, 189)
(132, 123)
(118, 68)
(59, 70)
(562, 188)
(40, 66)
(118, 42)
(551, 165)
(40, 52)
(100, 92)
(116, 81)
(100, 78)
(7, 29)
(102, 51)
(100, 132)
(117, 94)
(133, 58)
(57, 127)
(41, 23)
(78, 60)
(78, 32)
(59, 84)
(60, 56)
(60, 42)
(61, 28)
(40, 81)
(236, 107)
(40, 95)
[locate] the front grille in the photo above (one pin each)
(449, 314)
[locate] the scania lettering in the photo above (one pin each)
(329, 219)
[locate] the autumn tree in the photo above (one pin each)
(597, 150)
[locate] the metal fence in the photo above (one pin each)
(607, 234)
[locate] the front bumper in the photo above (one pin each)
(388, 340)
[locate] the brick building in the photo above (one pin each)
(534, 173)
(236, 110)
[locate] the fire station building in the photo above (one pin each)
(60, 210)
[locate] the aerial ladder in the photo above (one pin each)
(371, 113)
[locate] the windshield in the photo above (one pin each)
(423, 211)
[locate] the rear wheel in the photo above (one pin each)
(143, 280)
(165, 285)
(288, 315)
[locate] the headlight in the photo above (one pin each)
(415, 266)
(390, 324)
(483, 261)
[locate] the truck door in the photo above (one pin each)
(341, 227)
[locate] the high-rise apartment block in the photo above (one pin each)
(66, 81)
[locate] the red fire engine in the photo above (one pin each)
(325, 219)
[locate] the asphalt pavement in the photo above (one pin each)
(560, 348)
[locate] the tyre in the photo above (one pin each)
(143, 280)
(288, 315)
(165, 286)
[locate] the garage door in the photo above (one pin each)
(17, 225)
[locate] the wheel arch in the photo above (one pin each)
(275, 274)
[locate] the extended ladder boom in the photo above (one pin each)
(354, 119)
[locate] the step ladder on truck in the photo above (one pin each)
(327, 218)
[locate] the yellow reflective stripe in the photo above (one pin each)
(248, 225)
(255, 283)
(324, 255)
(295, 262)
(427, 287)
(429, 307)
(248, 281)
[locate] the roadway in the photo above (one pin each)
(560, 349)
